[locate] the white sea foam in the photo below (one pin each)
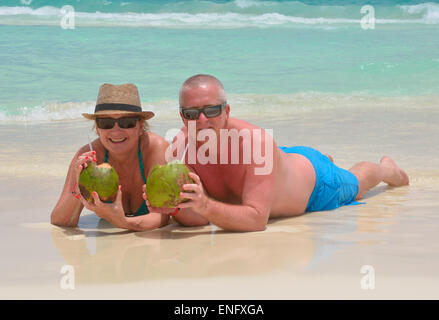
(43, 11)
(429, 11)
(49, 112)
(423, 14)
(252, 3)
(247, 106)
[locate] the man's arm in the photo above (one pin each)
(256, 195)
(235, 217)
(252, 215)
(188, 218)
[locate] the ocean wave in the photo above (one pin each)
(428, 11)
(271, 14)
(59, 111)
(244, 4)
(51, 111)
(246, 106)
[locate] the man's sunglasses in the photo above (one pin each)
(209, 111)
(124, 123)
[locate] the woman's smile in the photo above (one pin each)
(117, 140)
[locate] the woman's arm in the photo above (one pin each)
(154, 153)
(150, 221)
(68, 208)
(114, 213)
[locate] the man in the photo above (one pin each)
(236, 197)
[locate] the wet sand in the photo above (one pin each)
(314, 256)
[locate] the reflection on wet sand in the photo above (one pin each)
(177, 252)
(380, 212)
(288, 244)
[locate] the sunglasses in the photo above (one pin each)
(124, 123)
(209, 111)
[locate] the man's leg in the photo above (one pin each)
(370, 174)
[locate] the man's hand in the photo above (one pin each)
(197, 198)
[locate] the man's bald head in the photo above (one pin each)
(203, 80)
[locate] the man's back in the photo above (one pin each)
(232, 182)
(240, 185)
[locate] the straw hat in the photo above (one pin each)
(122, 99)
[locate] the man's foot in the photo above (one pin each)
(330, 158)
(396, 177)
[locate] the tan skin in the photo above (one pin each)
(232, 197)
(122, 146)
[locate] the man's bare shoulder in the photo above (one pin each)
(239, 124)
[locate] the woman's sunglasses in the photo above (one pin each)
(209, 111)
(124, 123)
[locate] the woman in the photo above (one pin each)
(125, 143)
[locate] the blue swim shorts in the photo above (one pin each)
(335, 187)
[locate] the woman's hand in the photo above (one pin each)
(112, 212)
(166, 211)
(80, 164)
(82, 161)
(198, 199)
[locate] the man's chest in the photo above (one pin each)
(222, 182)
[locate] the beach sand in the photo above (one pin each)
(318, 255)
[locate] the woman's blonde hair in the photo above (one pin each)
(145, 126)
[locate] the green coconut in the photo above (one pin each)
(100, 178)
(165, 183)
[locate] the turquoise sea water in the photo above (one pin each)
(258, 49)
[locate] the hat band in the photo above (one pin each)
(117, 106)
